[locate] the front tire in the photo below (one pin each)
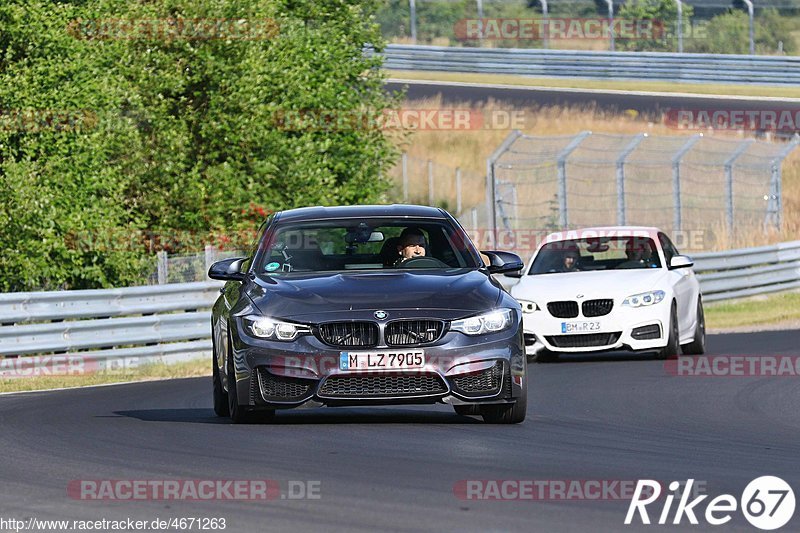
(670, 351)
(238, 413)
(220, 396)
(698, 344)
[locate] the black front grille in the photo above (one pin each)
(566, 309)
(653, 331)
(413, 332)
(349, 333)
(482, 383)
(282, 388)
(597, 307)
(383, 385)
(588, 340)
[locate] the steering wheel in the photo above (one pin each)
(422, 262)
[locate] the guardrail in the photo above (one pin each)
(749, 271)
(702, 68)
(172, 322)
(165, 323)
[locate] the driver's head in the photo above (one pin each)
(411, 244)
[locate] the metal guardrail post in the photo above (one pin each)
(729, 182)
(676, 181)
(480, 17)
(679, 4)
(563, 215)
(621, 176)
(491, 186)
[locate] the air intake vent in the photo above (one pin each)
(413, 332)
(567, 309)
(597, 307)
(349, 333)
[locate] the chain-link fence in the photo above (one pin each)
(425, 182)
(676, 183)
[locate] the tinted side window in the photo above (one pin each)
(669, 249)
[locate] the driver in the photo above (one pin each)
(412, 244)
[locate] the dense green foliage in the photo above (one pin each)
(728, 33)
(664, 14)
(173, 133)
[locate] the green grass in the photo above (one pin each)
(647, 86)
(194, 368)
(755, 311)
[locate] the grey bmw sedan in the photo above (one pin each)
(367, 305)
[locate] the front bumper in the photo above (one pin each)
(458, 370)
(624, 328)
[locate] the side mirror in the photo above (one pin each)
(227, 269)
(514, 274)
(502, 262)
(680, 261)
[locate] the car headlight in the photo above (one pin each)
(486, 323)
(527, 306)
(268, 328)
(643, 299)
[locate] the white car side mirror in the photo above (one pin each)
(680, 261)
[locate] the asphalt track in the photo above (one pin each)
(647, 104)
(604, 417)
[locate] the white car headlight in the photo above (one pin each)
(492, 322)
(643, 299)
(269, 328)
(528, 306)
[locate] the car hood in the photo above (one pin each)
(593, 284)
(460, 291)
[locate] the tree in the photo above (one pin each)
(183, 129)
(664, 17)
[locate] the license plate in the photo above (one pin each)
(579, 327)
(381, 360)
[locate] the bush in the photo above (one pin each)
(181, 134)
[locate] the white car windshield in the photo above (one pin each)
(596, 253)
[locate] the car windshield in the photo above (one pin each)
(596, 253)
(367, 244)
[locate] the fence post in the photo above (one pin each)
(458, 190)
(776, 192)
(610, 4)
(621, 176)
(677, 222)
(491, 186)
(563, 216)
(752, 33)
(729, 182)
(412, 9)
(404, 160)
(163, 266)
(680, 25)
(545, 25)
(211, 255)
(430, 183)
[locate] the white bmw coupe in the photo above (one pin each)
(611, 288)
